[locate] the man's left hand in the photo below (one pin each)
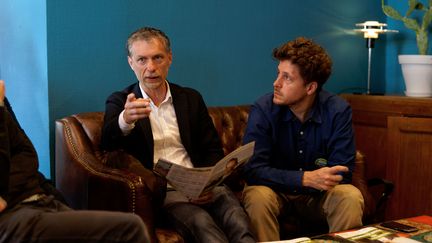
(324, 178)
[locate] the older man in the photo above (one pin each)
(153, 119)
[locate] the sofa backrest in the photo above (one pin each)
(230, 122)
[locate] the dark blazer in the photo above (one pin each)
(197, 132)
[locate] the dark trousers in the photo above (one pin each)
(48, 220)
(221, 220)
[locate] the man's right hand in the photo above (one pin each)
(136, 109)
(324, 178)
(3, 204)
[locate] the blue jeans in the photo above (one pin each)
(221, 220)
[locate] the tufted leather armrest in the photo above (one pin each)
(87, 182)
(79, 165)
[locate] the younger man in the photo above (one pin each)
(304, 147)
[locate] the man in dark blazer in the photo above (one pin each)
(197, 132)
(30, 213)
(155, 119)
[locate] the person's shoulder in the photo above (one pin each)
(265, 107)
(332, 101)
(178, 89)
(130, 88)
(265, 101)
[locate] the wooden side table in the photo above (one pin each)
(395, 134)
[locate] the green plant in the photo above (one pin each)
(421, 30)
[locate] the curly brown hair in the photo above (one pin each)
(312, 60)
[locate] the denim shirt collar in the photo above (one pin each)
(314, 113)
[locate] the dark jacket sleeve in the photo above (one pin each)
(5, 145)
(139, 143)
(23, 162)
(112, 137)
(4, 153)
(19, 173)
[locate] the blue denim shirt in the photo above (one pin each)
(285, 147)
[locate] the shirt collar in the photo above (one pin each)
(317, 111)
(314, 114)
(168, 96)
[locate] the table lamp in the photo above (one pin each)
(371, 30)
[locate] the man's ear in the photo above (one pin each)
(130, 62)
(170, 58)
(312, 87)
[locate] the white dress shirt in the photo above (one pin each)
(166, 135)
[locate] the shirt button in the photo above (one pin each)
(300, 151)
(301, 169)
(301, 132)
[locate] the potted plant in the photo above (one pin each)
(416, 69)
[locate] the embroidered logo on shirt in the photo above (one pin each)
(321, 162)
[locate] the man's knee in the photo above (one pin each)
(348, 193)
(260, 199)
(345, 197)
(137, 231)
(344, 207)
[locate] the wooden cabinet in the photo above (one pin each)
(395, 134)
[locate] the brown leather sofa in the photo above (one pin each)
(87, 182)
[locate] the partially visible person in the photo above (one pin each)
(304, 148)
(4, 165)
(28, 213)
(153, 119)
(4, 168)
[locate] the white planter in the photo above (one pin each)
(417, 73)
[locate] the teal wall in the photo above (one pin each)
(222, 48)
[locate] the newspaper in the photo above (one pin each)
(374, 234)
(192, 182)
(364, 235)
